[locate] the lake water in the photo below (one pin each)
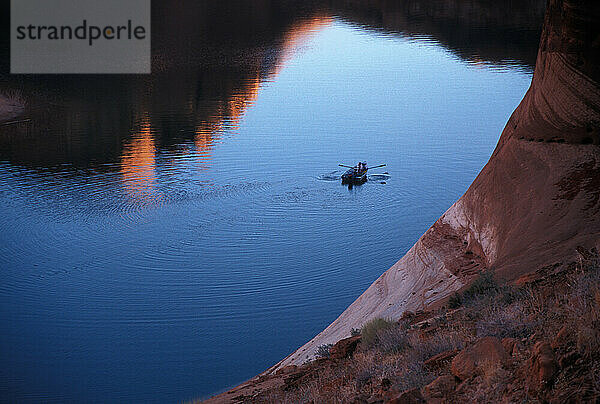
(165, 237)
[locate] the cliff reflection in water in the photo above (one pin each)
(494, 32)
(203, 80)
(138, 163)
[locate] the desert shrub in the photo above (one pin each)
(455, 301)
(588, 341)
(364, 376)
(499, 320)
(323, 351)
(14, 97)
(509, 294)
(371, 329)
(403, 369)
(392, 339)
(485, 285)
(354, 332)
(582, 308)
(444, 340)
(410, 375)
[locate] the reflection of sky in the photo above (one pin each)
(375, 95)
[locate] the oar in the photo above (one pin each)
(341, 165)
(381, 165)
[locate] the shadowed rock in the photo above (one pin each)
(412, 396)
(543, 367)
(441, 387)
(344, 348)
(440, 360)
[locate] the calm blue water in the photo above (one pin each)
(152, 252)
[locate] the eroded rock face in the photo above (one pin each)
(532, 205)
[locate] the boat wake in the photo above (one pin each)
(332, 176)
(379, 177)
(337, 175)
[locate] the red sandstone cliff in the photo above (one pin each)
(533, 204)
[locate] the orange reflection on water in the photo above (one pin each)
(299, 35)
(138, 163)
(228, 115)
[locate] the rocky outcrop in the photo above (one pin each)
(441, 387)
(543, 367)
(440, 360)
(534, 203)
(412, 396)
(476, 359)
(344, 348)
(511, 346)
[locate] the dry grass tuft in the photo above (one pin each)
(372, 329)
(13, 97)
